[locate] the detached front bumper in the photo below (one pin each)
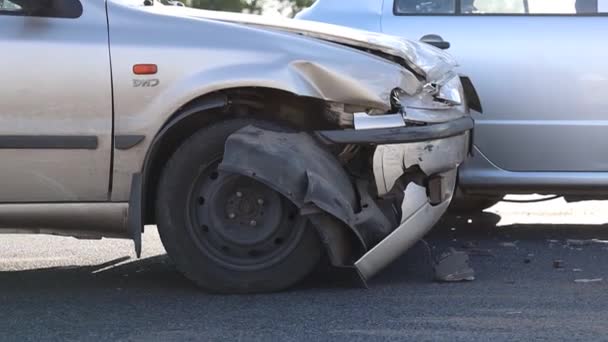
(431, 154)
(316, 181)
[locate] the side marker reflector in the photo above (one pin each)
(145, 69)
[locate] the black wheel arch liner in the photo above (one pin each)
(181, 118)
(300, 168)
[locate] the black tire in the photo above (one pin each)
(470, 204)
(214, 238)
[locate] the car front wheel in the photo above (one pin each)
(226, 232)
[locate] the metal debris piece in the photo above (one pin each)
(558, 264)
(453, 266)
(469, 245)
(579, 243)
(481, 252)
(585, 281)
(514, 312)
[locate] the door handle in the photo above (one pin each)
(435, 40)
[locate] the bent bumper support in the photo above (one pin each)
(398, 135)
(301, 168)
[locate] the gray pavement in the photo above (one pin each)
(63, 289)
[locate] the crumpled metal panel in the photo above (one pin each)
(299, 168)
(219, 58)
(428, 60)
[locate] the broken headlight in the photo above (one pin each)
(444, 94)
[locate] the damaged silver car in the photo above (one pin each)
(255, 145)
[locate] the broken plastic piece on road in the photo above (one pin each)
(469, 244)
(585, 281)
(453, 266)
(580, 243)
(481, 252)
(514, 312)
(574, 242)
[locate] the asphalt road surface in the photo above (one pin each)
(62, 289)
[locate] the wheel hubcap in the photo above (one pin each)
(241, 222)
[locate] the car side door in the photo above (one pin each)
(540, 70)
(55, 102)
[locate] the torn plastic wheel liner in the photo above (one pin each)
(301, 169)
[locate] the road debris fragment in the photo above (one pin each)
(469, 245)
(481, 252)
(453, 266)
(474, 250)
(585, 281)
(559, 264)
(514, 312)
(579, 243)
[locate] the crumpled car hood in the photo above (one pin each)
(430, 62)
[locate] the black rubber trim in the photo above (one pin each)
(471, 94)
(440, 45)
(199, 106)
(125, 142)
(58, 142)
(398, 135)
(458, 13)
(134, 219)
(64, 9)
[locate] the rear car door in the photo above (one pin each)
(540, 68)
(55, 102)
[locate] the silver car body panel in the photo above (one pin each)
(198, 53)
(480, 176)
(544, 100)
(54, 85)
(222, 59)
(84, 220)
